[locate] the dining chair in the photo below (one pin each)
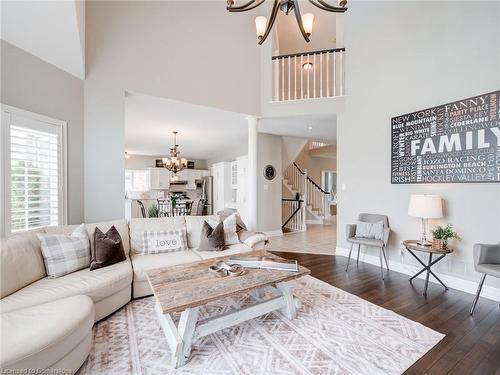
(371, 242)
(487, 262)
(141, 206)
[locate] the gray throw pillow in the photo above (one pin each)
(370, 230)
(212, 239)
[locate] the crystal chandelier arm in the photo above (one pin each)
(299, 21)
(247, 6)
(272, 18)
(329, 8)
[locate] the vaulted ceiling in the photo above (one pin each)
(53, 31)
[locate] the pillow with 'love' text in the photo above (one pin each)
(156, 242)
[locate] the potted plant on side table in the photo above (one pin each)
(441, 235)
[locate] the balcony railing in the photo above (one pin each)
(308, 75)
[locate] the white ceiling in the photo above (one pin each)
(54, 31)
(321, 128)
(323, 33)
(204, 132)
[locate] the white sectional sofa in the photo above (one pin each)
(46, 323)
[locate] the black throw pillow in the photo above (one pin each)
(108, 249)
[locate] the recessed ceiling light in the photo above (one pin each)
(307, 65)
(310, 127)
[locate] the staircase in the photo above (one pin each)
(310, 205)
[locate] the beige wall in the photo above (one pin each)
(167, 49)
(31, 84)
(148, 161)
(314, 165)
(420, 54)
(268, 192)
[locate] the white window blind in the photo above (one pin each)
(35, 173)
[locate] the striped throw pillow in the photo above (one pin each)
(167, 241)
(65, 254)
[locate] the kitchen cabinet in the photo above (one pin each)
(241, 183)
(221, 173)
(159, 178)
(234, 174)
(191, 175)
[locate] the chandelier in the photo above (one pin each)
(175, 163)
(305, 22)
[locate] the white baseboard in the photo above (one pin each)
(273, 233)
(450, 281)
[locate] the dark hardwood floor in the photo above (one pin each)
(471, 345)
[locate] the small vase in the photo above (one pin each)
(438, 244)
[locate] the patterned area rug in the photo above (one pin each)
(334, 333)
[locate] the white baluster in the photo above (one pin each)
(295, 77)
(282, 79)
(289, 82)
(334, 72)
(327, 74)
(342, 73)
(314, 74)
(321, 75)
(308, 75)
(301, 77)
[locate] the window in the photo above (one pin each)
(136, 180)
(33, 171)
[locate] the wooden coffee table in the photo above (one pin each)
(186, 287)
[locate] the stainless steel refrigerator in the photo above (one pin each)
(207, 193)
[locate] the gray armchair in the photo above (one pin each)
(487, 262)
(381, 244)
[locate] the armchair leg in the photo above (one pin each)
(385, 257)
(481, 282)
(349, 259)
(381, 264)
(357, 259)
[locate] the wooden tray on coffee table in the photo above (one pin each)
(186, 287)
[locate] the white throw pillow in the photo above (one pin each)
(168, 241)
(230, 234)
(65, 254)
(370, 230)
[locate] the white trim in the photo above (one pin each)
(273, 233)
(451, 281)
(6, 112)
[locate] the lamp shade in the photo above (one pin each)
(425, 206)
(307, 22)
(260, 26)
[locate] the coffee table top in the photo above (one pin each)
(189, 285)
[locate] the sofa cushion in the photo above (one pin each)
(39, 337)
(143, 263)
(21, 261)
(120, 225)
(231, 250)
(97, 284)
(64, 254)
(140, 225)
(193, 225)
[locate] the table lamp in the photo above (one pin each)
(425, 207)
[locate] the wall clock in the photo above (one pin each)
(269, 172)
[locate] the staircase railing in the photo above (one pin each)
(312, 194)
(292, 209)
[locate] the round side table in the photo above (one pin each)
(412, 246)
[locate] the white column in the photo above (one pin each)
(252, 172)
